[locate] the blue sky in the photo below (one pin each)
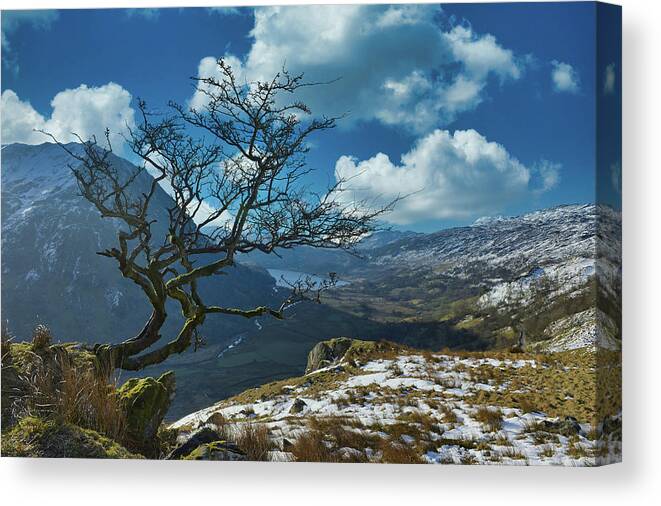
(477, 109)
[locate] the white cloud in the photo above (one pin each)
(84, 110)
(549, 175)
(394, 63)
(445, 175)
(205, 211)
(609, 79)
(565, 78)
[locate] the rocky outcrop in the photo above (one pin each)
(327, 353)
(146, 401)
(34, 437)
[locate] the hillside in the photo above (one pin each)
(381, 402)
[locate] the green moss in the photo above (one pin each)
(146, 401)
(34, 437)
(216, 450)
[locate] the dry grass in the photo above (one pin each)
(395, 452)
(61, 388)
(502, 440)
(547, 451)
(222, 425)
(254, 441)
(449, 416)
(491, 418)
(576, 450)
(311, 447)
(513, 453)
(333, 439)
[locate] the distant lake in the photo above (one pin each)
(285, 278)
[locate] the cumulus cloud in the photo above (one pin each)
(12, 20)
(389, 63)
(84, 110)
(445, 175)
(609, 79)
(564, 77)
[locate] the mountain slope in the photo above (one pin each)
(499, 275)
(380, 402)
(52, 274)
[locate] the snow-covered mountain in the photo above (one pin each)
(514, 263)
(51, 272)
(510, 254)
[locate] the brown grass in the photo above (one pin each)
(394, 452)
(333, 439)
(59, 388)
(222, 424)
(254, 441)
(547, 451)
(491, 418)
(513, 453)
(311, 447)
(449, 416)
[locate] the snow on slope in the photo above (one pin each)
(439, 392)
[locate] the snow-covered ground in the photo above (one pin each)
(433, 393)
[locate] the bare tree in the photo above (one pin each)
(236, 188)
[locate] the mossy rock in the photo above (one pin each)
(216, 450)
(34, 437)
(145, 402)
(330, 352)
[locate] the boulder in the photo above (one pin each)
(567, 427)
(201, 436)
(217, 450)
(34, 437)
(298, 406)
(145, 402)
(327, 353)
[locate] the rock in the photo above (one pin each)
(567, 427)
(326, 353)
(298, 406)
(145, 402)
(34, 437)
(217, 450)
(201, 436)
(570, 426)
